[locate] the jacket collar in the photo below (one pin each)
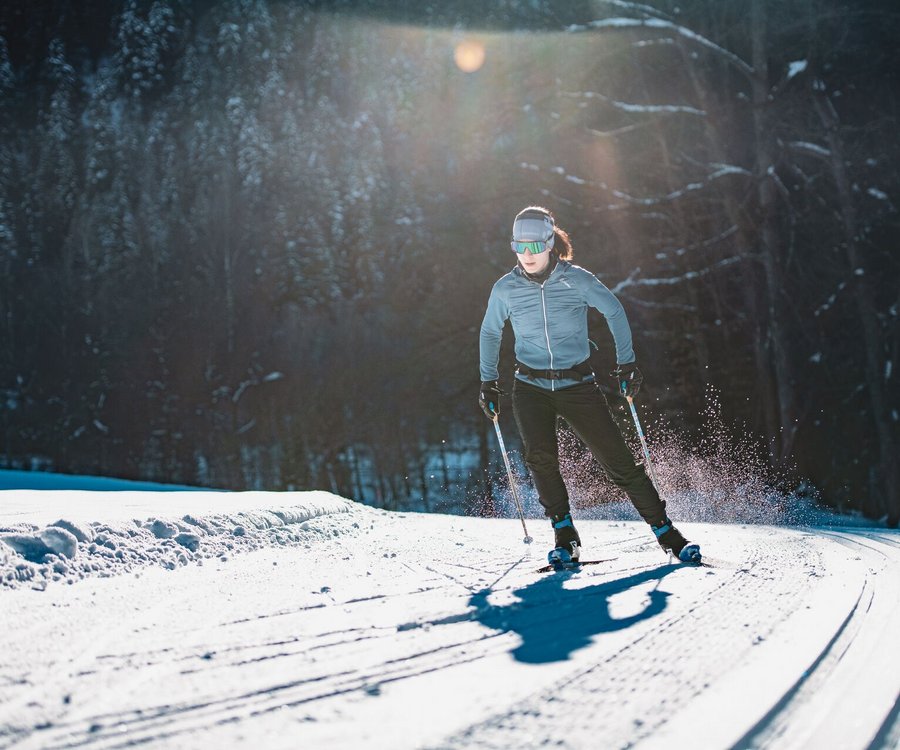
(555, 263)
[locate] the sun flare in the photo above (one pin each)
(469, 56)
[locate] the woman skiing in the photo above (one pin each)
(546, 299)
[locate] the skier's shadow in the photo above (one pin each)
(554, 621)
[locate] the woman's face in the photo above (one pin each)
(534, 263)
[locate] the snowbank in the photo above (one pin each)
(59, 535)
(69, 534)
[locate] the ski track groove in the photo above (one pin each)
(593, 689)
(192, 656)
(230, 709)
(493, 570)
(774, 722)
(877, 536)
(625, 689)
(150, 724)
(882, 540)
(781, 720)
(178, 720)
(888, 735)
(87, 655)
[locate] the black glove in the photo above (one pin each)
(628, 379)
(489, 398)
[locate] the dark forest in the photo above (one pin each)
(248, 244)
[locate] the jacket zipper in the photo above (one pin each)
(547, 334)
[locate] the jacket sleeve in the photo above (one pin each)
(598, 296)
(495, 318)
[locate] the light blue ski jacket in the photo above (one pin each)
(549, 321)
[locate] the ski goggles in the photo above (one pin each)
(535, 247)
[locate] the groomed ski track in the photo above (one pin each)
(423, 631)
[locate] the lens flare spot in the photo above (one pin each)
(469, 55)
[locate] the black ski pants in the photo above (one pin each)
(586, 410)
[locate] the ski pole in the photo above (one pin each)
(640, 432)
(512, 484)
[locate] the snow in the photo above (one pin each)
(827, 304)
(637, 108)
(721, 171)
(811, 148)
(68, 535)
(307, 620)
(671, 280)
(660, 24)
(796, 67)
(725, 169)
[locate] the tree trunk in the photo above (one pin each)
(863, 296)
(766, 397)
(770, 244)
(423, 484)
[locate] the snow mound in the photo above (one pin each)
(73, 547)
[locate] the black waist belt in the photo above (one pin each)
(578, 372)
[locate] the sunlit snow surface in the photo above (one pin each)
(305, 620)
(58, 535)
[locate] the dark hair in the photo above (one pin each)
(562, 244)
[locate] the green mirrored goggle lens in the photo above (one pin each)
(535, 248)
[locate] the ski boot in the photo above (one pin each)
(568, 543)
(673, 543)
